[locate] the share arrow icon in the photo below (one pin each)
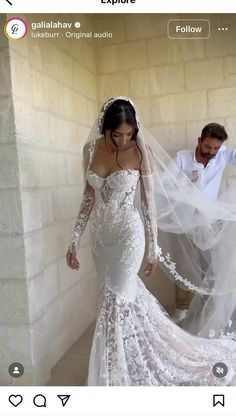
(64, 398)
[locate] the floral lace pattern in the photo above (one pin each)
(116, 227)
(224, 333)
(137, 344)
(171, 266)
(83, 216)
(148, 209)
(135, 341)
(100, 190)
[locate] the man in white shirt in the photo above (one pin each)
(205, 167)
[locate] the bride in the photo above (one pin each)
(135, 341)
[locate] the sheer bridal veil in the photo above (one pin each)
(196, 236)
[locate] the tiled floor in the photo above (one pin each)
(72, 368)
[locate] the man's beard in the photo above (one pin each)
(206, 155)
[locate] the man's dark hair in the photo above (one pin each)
(214, 130)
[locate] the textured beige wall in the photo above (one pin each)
(54, 95)
(15, 341)
(179, 85)
(56, 87)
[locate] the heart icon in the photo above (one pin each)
(15, 400)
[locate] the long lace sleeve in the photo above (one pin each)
(149, 215)
(83, 216)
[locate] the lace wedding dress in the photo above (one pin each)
(135, 341)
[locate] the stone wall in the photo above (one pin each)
(47, 306)
(14, 336)
(179, 85)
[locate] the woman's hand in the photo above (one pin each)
(71, 259)
(150, 268)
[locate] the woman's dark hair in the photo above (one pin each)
(214, 130)
(120, 111)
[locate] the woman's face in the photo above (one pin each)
(122, 135)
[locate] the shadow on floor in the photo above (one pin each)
(72, 368)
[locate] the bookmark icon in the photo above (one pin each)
(218, 399)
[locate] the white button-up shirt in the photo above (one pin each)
(208, 178)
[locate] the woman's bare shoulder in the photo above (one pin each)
(101, 144)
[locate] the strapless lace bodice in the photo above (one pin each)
(116, 191)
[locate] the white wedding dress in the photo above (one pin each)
(135, 342)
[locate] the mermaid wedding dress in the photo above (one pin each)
(135, 342)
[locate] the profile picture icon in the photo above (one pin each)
(16, 370)
(15, 28)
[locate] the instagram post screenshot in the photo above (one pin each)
(117, 206)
